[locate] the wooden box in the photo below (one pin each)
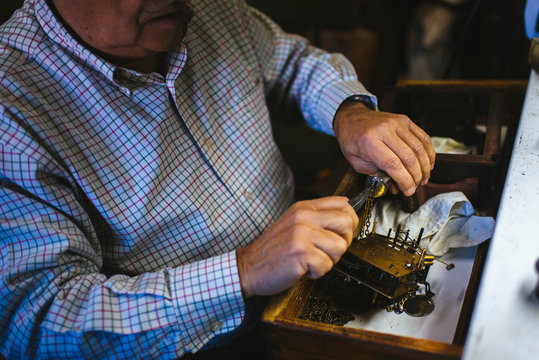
(457, 109)
(482, 115)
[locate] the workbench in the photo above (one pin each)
(505, 321)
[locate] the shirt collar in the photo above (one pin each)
(124, 78)
(58, 34)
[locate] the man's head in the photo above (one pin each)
(127, 29)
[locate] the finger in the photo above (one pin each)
(362, 166)
(388, 161)
(421, 153)
(319, 265)
(408, 159)
(342, 222)
(332, 244)
(302, 212)
(332, 212)
(426, 141)
(393, 187)
(328, 203)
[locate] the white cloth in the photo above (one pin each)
(448, 220)
(445, 145)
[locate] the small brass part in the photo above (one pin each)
(380, 190)
(418, 305)
(428, 260)
(448, 267)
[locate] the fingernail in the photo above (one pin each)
(424, 182)
(410, 191)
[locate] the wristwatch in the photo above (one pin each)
(359, 98)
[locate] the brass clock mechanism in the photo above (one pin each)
(392, 266)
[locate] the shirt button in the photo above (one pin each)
(216, 326)
(208, 144)
(257, 81)
(248, 195)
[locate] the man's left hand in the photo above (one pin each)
(372, 140)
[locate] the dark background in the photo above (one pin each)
(484, 39)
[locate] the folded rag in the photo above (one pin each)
(448, 221)
(445, 145)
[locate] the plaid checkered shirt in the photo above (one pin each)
(124, 196)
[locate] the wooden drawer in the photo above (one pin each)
(491, 105)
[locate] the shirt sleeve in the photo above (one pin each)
(297, 73)
(57, 300)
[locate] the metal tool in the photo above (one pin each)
(380, 180)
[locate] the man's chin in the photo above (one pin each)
(166, 34)
(163, 44)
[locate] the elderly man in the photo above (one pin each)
(143, 199)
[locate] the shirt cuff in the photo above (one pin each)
(333, 96)
(207, 296)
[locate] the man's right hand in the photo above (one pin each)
(308, 239)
